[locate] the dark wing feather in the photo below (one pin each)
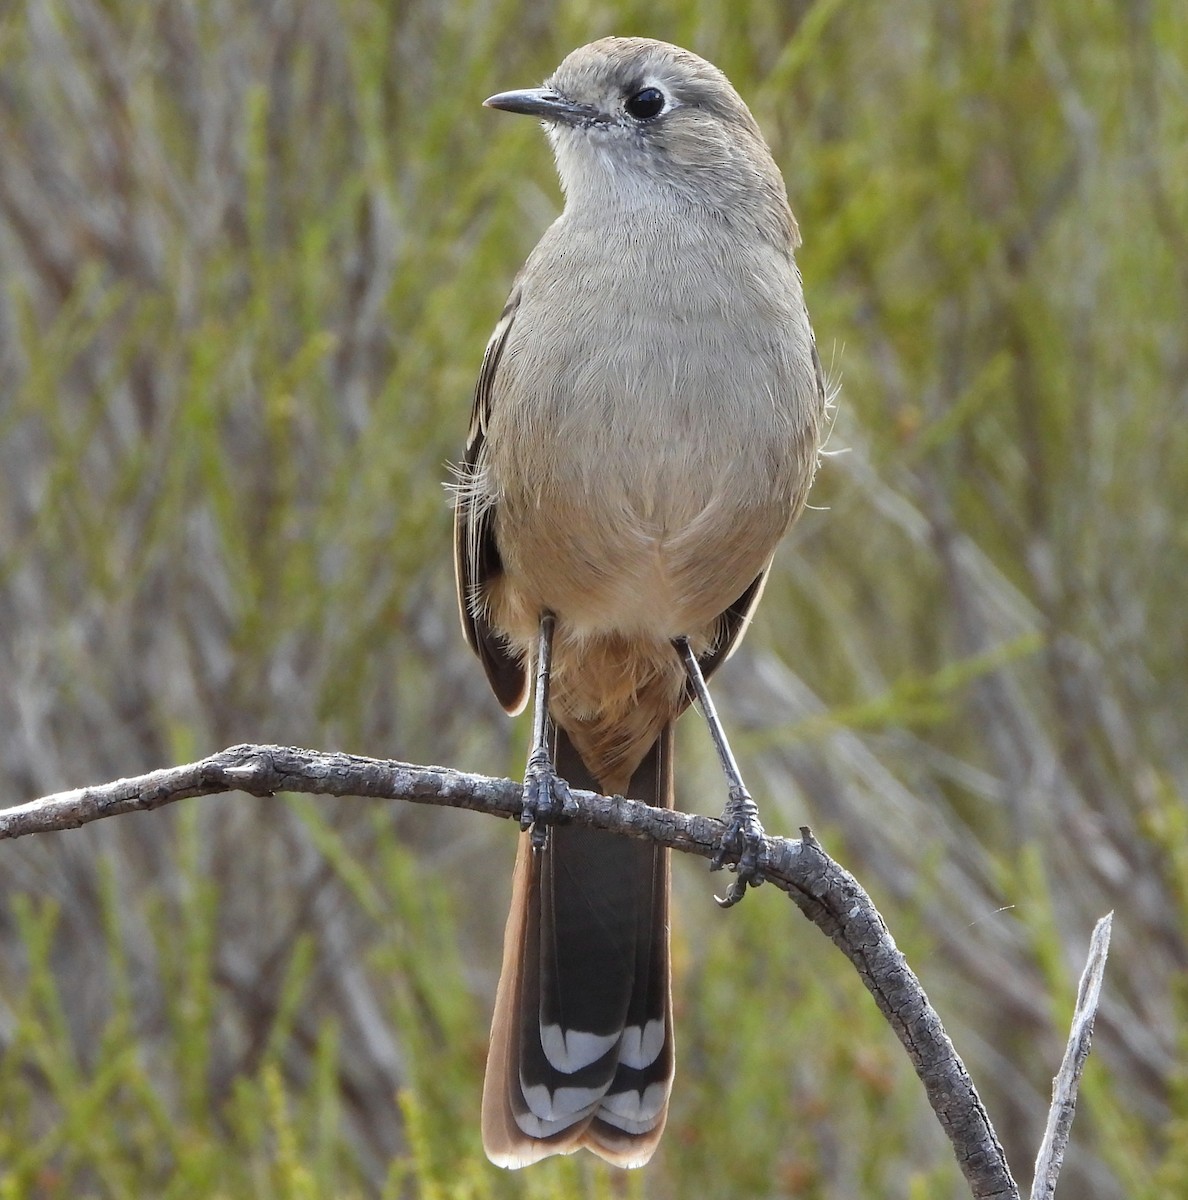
(732, 624)
(476, 556)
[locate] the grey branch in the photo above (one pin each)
(1068, 1078)
(824, 891)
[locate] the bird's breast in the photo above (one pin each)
(651, 435)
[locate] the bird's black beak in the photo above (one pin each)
(543, 103)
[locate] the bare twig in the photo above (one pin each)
(1064, 1086)
(836, 903)
(826, 893)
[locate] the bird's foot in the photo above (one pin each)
(547, 800)
(742, 840)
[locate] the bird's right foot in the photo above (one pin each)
(547, 799)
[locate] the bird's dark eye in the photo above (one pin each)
(646, 103)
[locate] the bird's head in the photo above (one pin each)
(636, 123)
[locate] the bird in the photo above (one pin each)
(645, 427)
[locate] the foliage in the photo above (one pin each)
(249, 256)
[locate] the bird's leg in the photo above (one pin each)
(546, 795)
(742, 835)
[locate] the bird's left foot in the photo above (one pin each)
(547, 799)
(742, 840)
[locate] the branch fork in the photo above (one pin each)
(823, 890)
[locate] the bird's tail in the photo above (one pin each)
(581, 1041)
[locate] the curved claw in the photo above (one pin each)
(736, 891)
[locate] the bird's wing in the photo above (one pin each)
(732, 624)
(476, 556)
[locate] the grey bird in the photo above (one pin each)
(646, 426)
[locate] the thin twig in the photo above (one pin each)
(1064, 1086)
(827, 894)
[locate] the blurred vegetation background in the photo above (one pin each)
(250, 253)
